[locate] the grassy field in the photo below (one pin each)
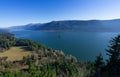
(15, 53)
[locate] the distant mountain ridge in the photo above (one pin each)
(74, 25)
(4, 30)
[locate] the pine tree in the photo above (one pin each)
(98, 65)
(113, 51)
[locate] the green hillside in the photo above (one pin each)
(26, 58)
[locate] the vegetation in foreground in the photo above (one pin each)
(25, 58)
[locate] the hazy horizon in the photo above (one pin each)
(21, 12)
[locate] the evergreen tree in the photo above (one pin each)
(99, 64)
(113, 63)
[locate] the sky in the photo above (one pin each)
(21, 12)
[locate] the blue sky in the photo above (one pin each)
(20, 12)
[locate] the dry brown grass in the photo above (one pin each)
(15, 53)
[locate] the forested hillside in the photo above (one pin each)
(41, 61)
(8, 40)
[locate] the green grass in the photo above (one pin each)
(15, 53)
